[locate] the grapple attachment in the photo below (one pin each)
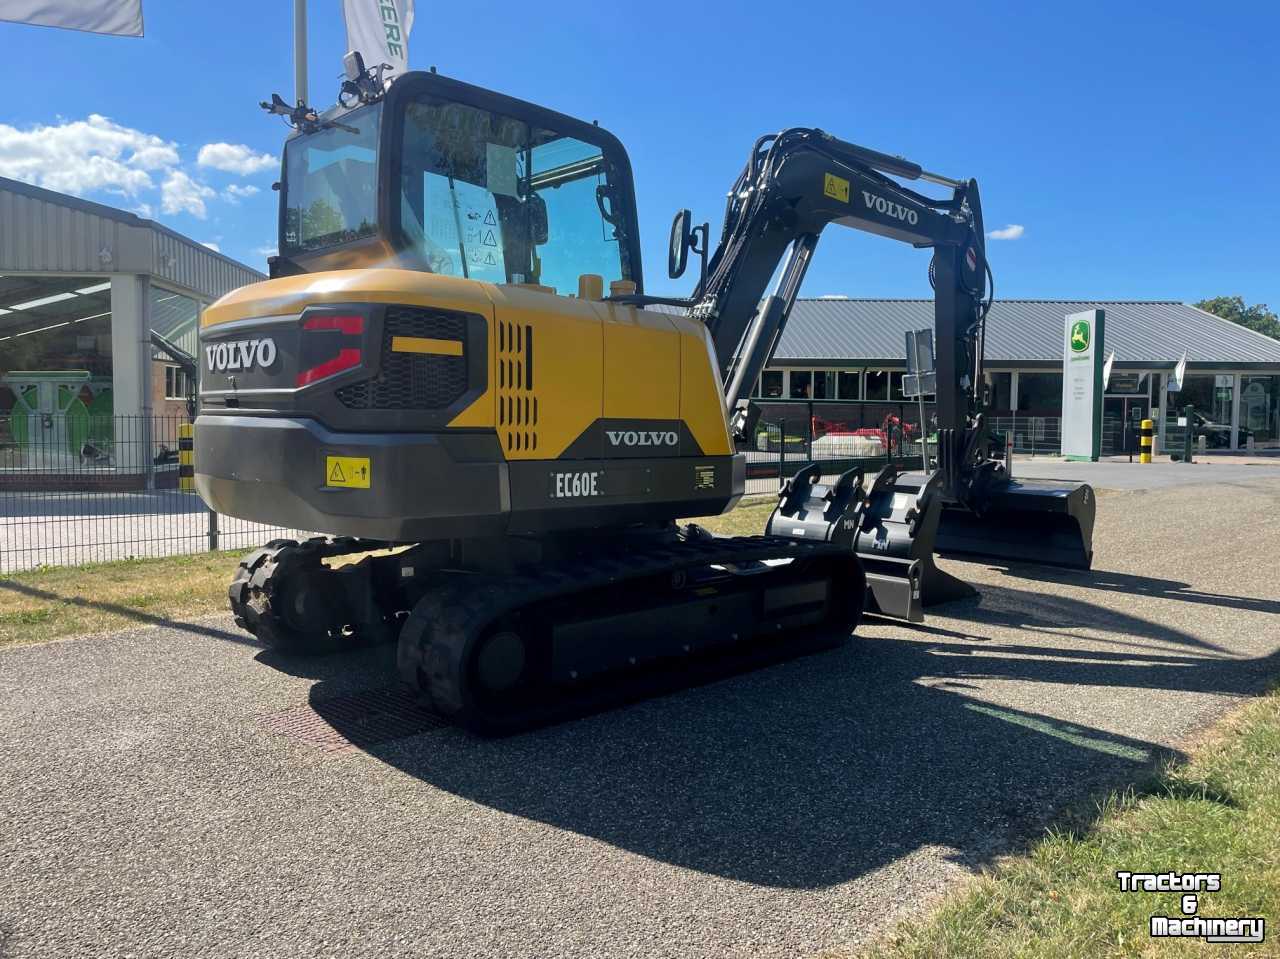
(1031, 521)
(890, 524)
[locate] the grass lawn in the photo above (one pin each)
(52, 602)
(1218, 812)
(49, 603)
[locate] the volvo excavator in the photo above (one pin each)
(455, 370)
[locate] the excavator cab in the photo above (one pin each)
(443, 177)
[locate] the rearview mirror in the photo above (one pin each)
(681, 240)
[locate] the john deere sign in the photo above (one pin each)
(1080, 336)
(1082, 385)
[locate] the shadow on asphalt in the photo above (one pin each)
(820, 770)
(128, 612)
(1132, 585)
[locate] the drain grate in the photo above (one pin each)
(355, 721)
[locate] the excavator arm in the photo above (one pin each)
(793, 186)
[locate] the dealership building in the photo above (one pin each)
(82, 287)
(836, 349)
(83, 385)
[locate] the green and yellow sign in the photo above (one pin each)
(1080, 336)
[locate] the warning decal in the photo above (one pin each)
(350, 472)
(836, 187)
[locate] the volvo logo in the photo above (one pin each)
(239, 355)
(889, 208)
(642, 437)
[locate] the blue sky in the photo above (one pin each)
(1135, 144)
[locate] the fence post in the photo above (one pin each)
(782, 452)
(213, 530)
(808, 437)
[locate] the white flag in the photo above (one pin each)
(379, 31)
(120, 17)
(1175, 381)
(1106, 369)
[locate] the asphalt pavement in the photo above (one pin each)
(177, 791)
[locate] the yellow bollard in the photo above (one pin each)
(186, 456)
(1144, 442)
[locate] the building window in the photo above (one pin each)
(1260, 410)
(1210, 394)
(1000, 388)
(824, 385)
(771, 384)
(849, 385)
(1127, 383)
(1040, 394)
(895, 386)
(878, 385)
(801, 385)
(175, 383)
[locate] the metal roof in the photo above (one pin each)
(1148, 333)
(46, 232)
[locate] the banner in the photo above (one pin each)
(1178, 375)
(122, 18)
(1082, 385)
(379, 31)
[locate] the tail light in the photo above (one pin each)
(331, 343)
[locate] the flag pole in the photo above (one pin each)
(300, 50)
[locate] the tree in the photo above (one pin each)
(1257, 317)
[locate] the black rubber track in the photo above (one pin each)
(438, 638)
(263, 602)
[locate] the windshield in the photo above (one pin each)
(492, 198)
(331, 184)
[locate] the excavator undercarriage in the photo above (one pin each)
(589, 624)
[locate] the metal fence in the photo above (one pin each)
(96, 488)
(868, 435)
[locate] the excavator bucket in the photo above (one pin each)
(895, 543)
(890, 524)
(1026, 521)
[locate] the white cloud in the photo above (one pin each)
(1013, 231)
(213, 246)
(235, 192)
(833, 296)
(181, 194)
(85, 155)
(234, 158)
(266, 250)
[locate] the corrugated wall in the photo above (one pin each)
(38, 236)
(191, 265)
(45, 232)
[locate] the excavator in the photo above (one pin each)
(454, 375)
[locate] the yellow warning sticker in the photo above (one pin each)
(353, 472)
(836, 187)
